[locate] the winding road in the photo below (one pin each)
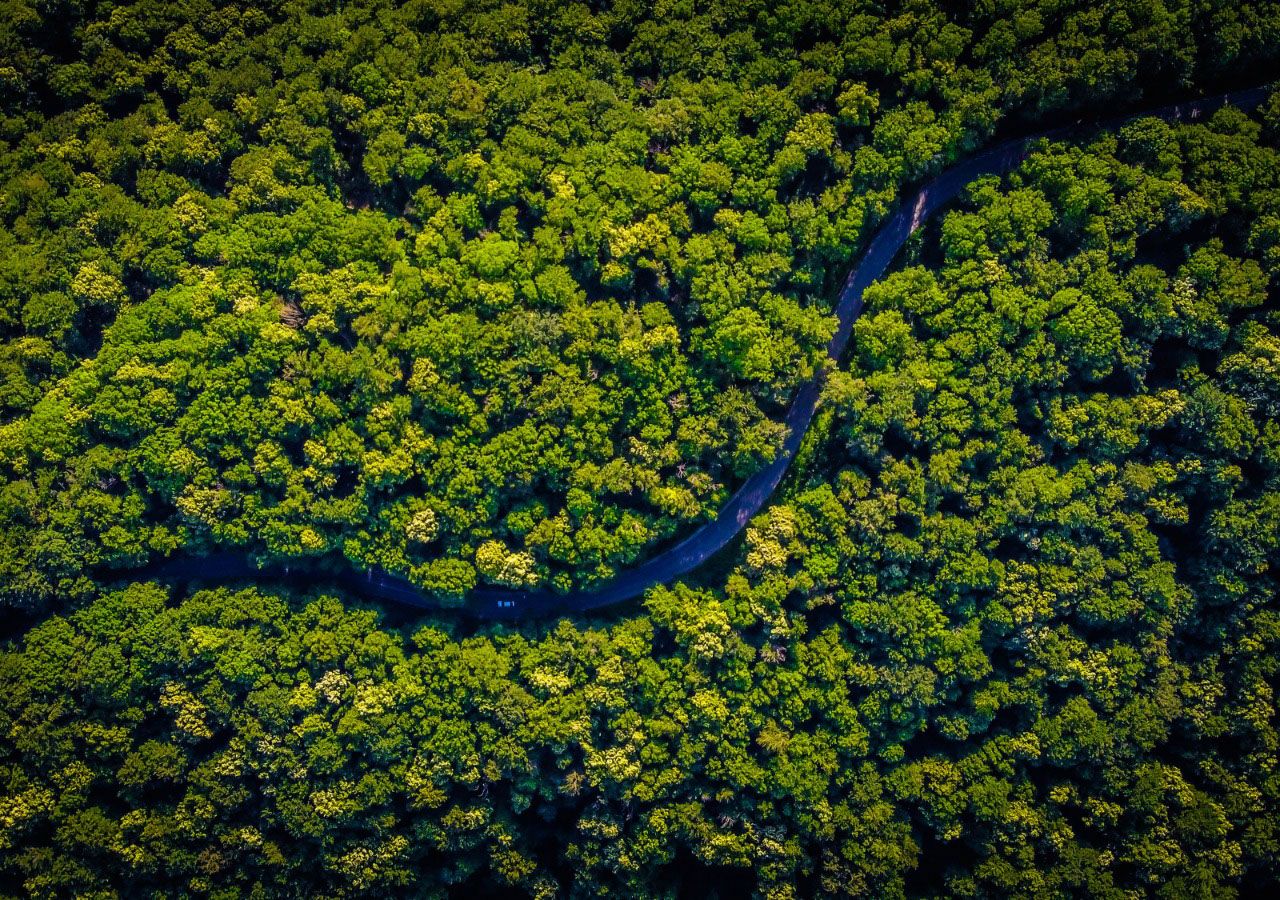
(707, 540)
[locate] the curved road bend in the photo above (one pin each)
(707, 540)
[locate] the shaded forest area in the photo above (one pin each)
(1012, 629)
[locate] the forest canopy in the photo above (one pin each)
(473, 293)
(514, 293)
(1015, 631)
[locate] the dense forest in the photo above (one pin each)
(517, 293)
(475, 293)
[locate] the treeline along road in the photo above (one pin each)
(710, 538)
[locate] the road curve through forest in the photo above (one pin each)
(756, 491)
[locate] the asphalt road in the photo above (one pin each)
(707, 540)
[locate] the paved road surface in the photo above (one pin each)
(706, 541)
